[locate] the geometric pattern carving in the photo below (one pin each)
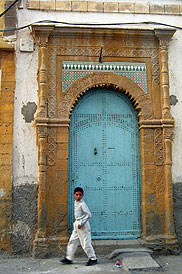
(158, 139)
(74, 70)
(52, 80)
(148, 49)
(123, 84)
(51, 146)
(142, 46)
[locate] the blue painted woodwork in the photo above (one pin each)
(104, 159)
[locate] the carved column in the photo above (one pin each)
(168, 124)
(169, 220)
(42, 76)
(40, 247)
(164, 37)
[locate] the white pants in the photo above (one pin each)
(82, 236)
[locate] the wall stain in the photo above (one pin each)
(28, 111)
(173, 100)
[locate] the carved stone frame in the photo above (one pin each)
(52, 123)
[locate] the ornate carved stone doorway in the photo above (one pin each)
(60, 48)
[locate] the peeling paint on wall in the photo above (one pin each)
(173, 100)
(28, 111)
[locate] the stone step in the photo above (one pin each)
(127, 250)
(138, 261)
(106, 247)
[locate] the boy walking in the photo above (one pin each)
(81, 232)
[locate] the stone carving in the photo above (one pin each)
(158, 139)
(108, 80)
(73, 46)
(52, 82)
(51, 146)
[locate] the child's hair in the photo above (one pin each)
(78, 189)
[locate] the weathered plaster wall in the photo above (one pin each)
(175, 66)
(24, 150)
(25, 162)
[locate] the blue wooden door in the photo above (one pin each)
(104, 159)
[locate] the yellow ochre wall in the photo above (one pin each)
(7, 85)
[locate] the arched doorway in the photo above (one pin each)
(104, 159)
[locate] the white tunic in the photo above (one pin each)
(82, 235)
(82, 212)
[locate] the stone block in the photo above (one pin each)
(62, 154)
(132, 249)
(126, 7)
(139, 261)
(47, 5)
(79, 6)
(6, 148)
(110, 7)
(180, 8)
(6, 128)
(62, 198)
(172, 9)
(5, 159)
(141, 8)
(62, 130)
(156, 8)
(33, 4)
(61, 175)
(62, 138)
(62, 146)
(6, 116)
(150, 171)
(95, 6)
(7, 76)
(7, 98)
(148, 146)
(148, 157)
(5, 178)
(62, 164)
(8, 139)
(63, 5)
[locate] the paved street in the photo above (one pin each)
(169, 265)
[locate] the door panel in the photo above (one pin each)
(104, 159)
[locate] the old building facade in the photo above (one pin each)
(96, 104)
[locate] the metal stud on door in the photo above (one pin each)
(104, 159)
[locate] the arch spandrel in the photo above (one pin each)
(141, 101)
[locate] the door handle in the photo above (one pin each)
(95, 151)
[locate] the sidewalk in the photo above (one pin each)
(169, 265)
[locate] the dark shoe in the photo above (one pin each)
(66, 261)
(91, 262)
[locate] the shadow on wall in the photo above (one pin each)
(177, 190)
(24, 217)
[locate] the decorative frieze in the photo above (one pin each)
(107, 7)
(72, 71)
(51, 146)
